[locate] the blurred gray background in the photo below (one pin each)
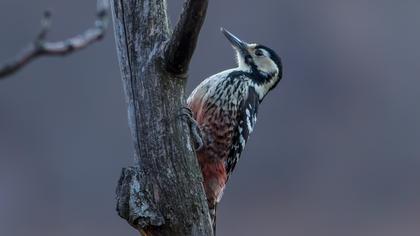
(336, 150)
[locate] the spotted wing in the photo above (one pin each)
(246, 119)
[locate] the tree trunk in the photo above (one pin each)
(163, 193)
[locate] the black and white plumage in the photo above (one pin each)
(225, 107)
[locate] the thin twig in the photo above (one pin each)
(41, 47)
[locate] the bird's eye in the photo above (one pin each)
(259, 52)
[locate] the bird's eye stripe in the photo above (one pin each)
(259, 52)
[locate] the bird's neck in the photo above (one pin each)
(263, 88)
(261, 82)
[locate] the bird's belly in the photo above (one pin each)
(218, 131)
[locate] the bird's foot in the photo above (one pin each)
(196, 133)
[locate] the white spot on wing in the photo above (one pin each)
(248, 120)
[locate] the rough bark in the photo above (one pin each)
(163, 193)
(40, 47)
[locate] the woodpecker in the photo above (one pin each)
(224, 107)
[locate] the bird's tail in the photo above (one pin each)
(212, 210)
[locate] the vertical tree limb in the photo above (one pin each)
(180, 48)
(163, 193)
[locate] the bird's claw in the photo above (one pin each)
(195, 130)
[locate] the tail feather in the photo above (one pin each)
(213, 218)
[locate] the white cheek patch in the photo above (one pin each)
(264, 64)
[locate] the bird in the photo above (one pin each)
(223, 109)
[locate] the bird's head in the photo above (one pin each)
(257, 59)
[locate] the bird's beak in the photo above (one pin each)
(238, 44)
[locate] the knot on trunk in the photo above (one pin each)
(136, 201)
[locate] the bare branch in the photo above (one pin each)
(180, 48)
(41, 47)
